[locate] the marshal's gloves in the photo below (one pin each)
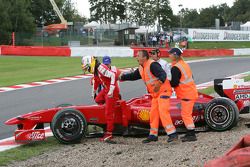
(111, 91)
(120, 76)
(157, 86)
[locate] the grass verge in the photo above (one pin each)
(219, 45)
(27, 151)
(247, 78)
(18, 70)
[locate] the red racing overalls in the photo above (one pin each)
(109, 94)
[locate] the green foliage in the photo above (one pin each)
(240, 11)
(146, 12)
(190, 18)
(5, 24)
(219, 45)
(42, 11)
(107, 10)
(206, 16)
(15, 17)
(165, 14)
(142, 12)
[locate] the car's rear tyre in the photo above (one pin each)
(221, 114)
(69, 126)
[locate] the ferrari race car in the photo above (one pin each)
(69, 123)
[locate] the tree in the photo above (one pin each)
(240, 11)
(5, 23)
(43, 12)
(21, 17)
(107, 11)
(15, 17)
(70, 13)
(208, 15)
(164, 14)
(190, 18)
(147, 12)
(141, 12)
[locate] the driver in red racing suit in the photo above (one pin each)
(109, 93)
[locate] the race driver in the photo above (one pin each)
(155, 55)
(97, 93)
(110, 91)
(159, 88)
(185, 89)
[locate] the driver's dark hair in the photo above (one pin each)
(97, 64)
(144, 53)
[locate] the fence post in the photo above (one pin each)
(13, 39)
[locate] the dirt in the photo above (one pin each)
(131, 152)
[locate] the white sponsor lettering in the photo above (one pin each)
(242, 96)
(36, 136)
(195, 119)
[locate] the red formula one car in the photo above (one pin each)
(69, 124)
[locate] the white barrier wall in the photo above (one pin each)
(218, 35)
(102, 51)
(241, 52)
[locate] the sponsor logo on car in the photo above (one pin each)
(242, 96)
(36, 136)
(237, 91)
(143, 115)
(29, 135)
(35, 118)
(195, 119)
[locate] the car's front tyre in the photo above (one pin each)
(69, 126)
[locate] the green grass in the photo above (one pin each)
(27, 151)
(18, 70)
(219, 45)
(247, 78)
(208, 91)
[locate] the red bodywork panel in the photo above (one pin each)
(238, 155)
(239, 94)
(132, 112)
(29, 135)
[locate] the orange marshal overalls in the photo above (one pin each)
(187, 92)
(160, 101)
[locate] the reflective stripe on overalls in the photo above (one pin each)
(160, 102)
(151, 79)
(187, 92)
(187, 79)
